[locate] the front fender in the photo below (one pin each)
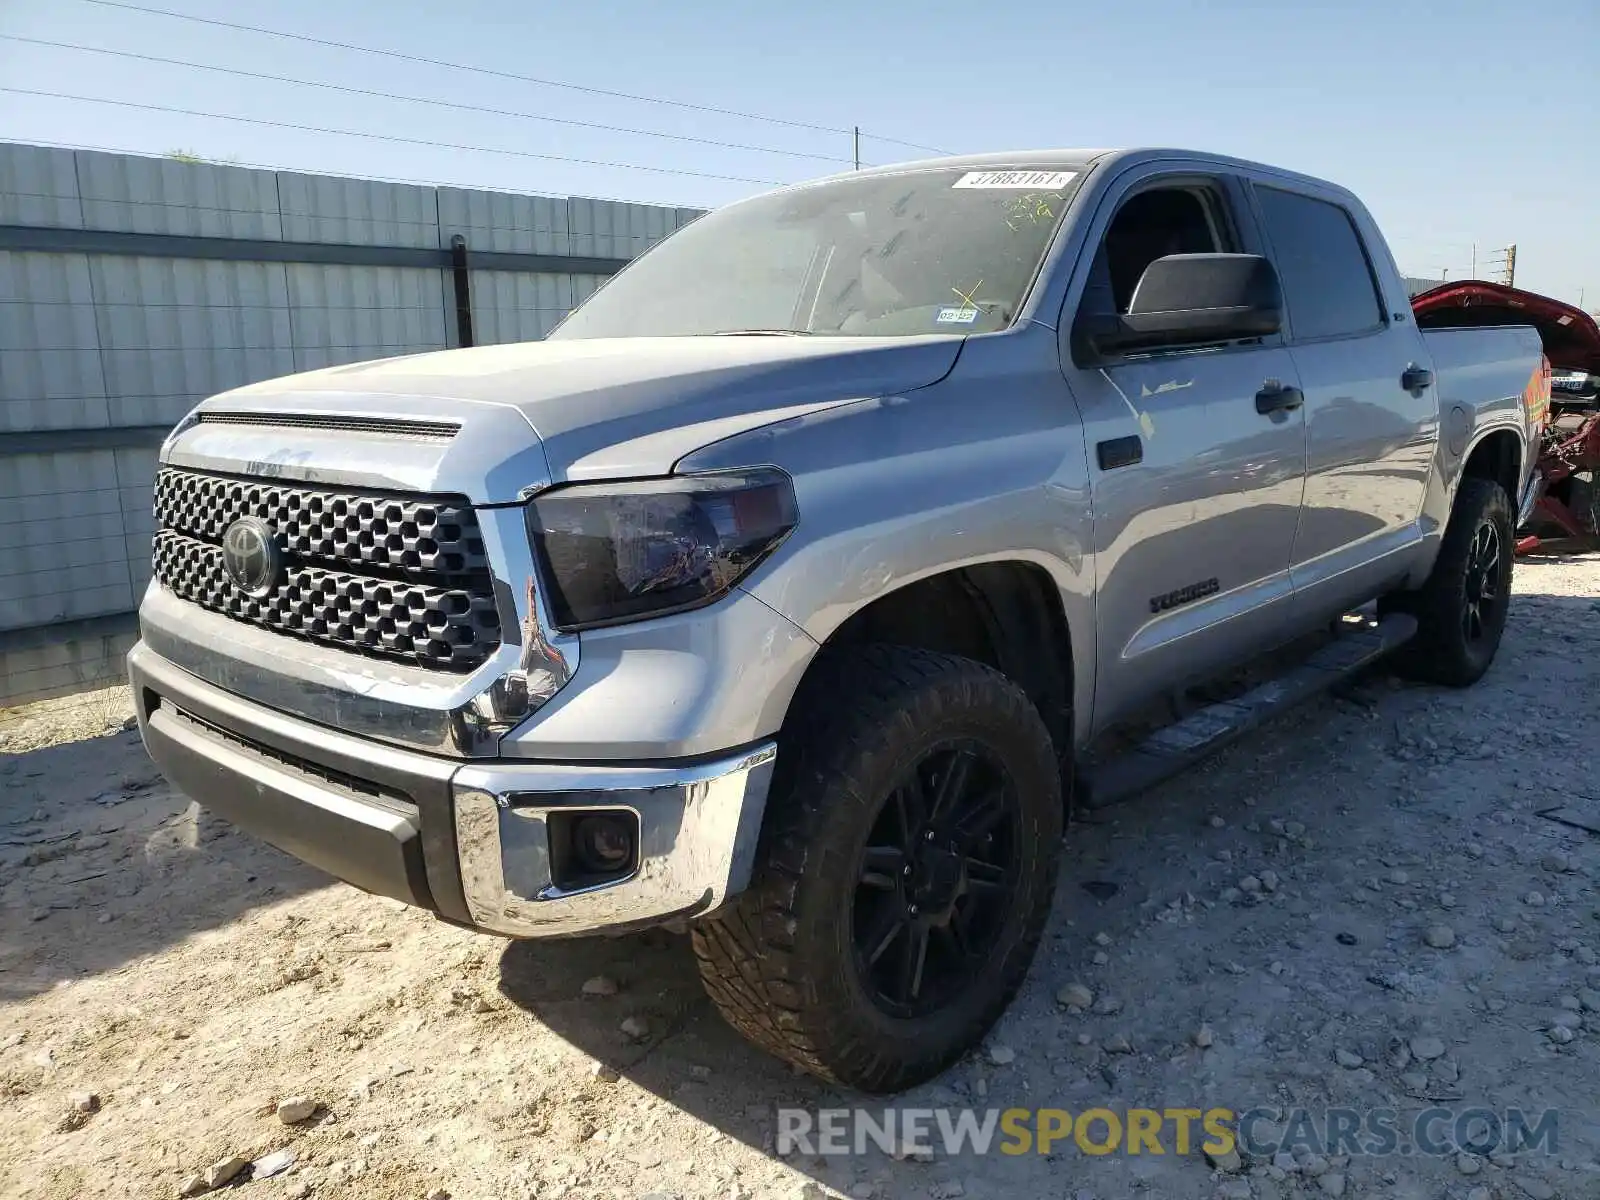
(985, 466)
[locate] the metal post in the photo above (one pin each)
(463, 281)
(858, 147)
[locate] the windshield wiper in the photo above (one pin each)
(764, 333)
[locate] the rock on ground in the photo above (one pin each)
(294, 1109)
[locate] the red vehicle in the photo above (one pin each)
(1565, 498)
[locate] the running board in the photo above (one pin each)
(1174, 748)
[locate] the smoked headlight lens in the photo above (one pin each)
(622, 551)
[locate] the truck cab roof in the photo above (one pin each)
(1081, 159)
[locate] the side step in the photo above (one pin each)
(1174, 748)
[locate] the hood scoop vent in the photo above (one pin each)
(385, 427)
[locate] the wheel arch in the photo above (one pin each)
(1496, 455)
(1007, 614)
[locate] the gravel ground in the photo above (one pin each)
(1367, 905)
(66, 719)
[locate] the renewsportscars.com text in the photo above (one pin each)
(1257, 1132)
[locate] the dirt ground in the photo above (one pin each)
(1366, 905)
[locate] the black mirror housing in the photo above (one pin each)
(1188, 299)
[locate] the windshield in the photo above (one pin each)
(936, 251)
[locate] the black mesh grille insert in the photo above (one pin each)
(401, 576)
(364, 788)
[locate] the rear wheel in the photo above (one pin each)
(907, 868)
(1461, 610)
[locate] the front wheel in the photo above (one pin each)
(907, 867)
(1461, 609)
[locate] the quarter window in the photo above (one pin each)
(1327, 280)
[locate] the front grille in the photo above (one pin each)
(400, 576)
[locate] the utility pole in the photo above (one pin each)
(1505, 264)
(1474, 274)
(858, 147)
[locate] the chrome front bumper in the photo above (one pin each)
(697, 840)
(464, 838)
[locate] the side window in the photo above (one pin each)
(1327, 280)
(1151, 225)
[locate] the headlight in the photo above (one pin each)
(190, 420)
(621, 551)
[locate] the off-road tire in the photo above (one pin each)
(1442, 652)
(778, 961)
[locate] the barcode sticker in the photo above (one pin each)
(1020, 180)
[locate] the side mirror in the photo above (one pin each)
(1189, 299)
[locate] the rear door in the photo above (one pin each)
(1196, 494)
(1370, 404)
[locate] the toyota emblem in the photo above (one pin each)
(251, 557)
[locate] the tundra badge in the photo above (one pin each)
(1184, 595)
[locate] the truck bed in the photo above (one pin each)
(1472, 363)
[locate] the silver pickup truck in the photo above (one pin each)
(781, 592)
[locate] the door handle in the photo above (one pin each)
(1119, 452)
(1278, 397)
(1414, 379)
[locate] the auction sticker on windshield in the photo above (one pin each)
(1015, 179)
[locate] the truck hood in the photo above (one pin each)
(601, 408)
(1571, 338)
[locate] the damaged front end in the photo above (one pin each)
(1564, 499)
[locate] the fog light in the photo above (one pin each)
(604, 843)
(591, 847)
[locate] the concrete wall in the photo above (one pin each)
(1417, 284)
(103, 348)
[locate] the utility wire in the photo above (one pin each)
(455, 66)
(477, 108)
(385, 137)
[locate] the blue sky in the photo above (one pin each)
(1457, 123)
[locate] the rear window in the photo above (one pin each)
(1327, 280)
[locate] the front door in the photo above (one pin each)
(1196, 493)
(1192, 542)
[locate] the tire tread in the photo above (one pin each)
(855, 705)
(1438, 653)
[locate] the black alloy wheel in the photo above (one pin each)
(936, 880)
(1482, 597)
